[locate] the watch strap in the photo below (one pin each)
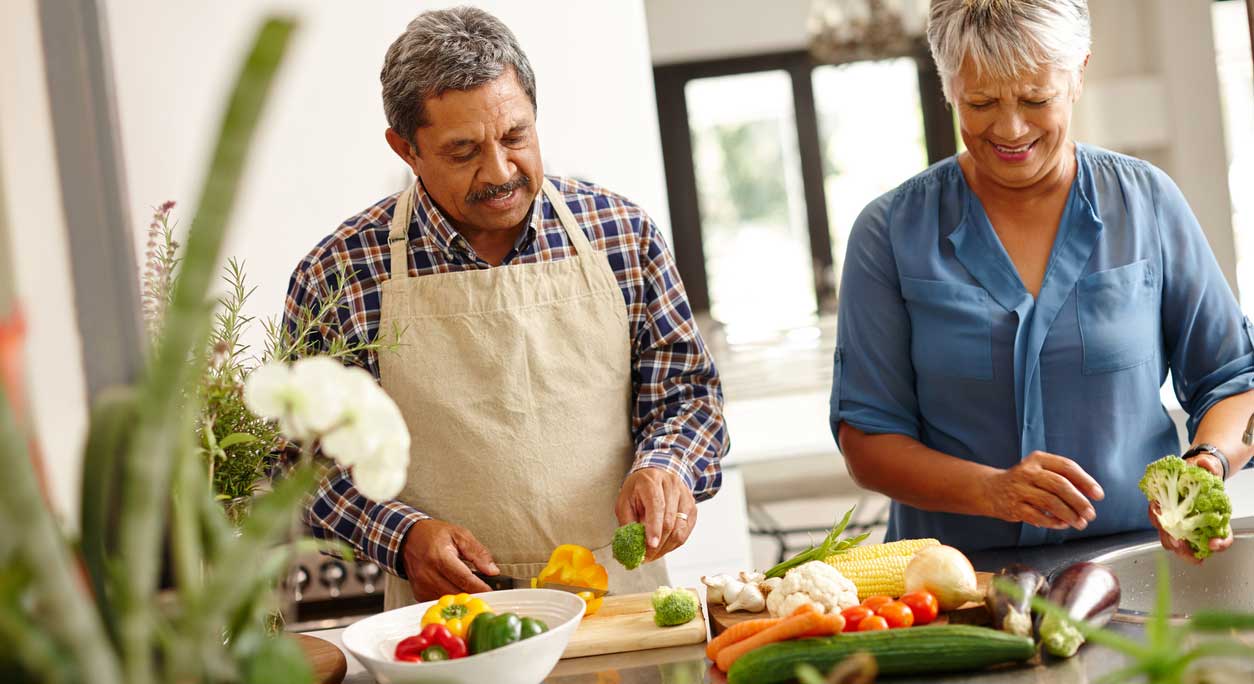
(1213, 450)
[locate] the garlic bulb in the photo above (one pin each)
(714, 587)
(744, 596)
(766, 586)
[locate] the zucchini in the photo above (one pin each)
(914, 650)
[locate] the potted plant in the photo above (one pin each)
(94, 611)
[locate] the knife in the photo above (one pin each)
(498, 582)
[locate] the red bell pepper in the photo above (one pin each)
(434, 642)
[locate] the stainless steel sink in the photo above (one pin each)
(1225, 581)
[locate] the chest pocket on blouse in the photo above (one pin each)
(951, 328)
(1118, 313)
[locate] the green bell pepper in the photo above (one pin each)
(489, 631)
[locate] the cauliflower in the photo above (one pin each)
(816, 583)
(1191, 500)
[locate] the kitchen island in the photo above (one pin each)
(688, 665)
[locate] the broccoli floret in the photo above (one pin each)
(629, 545)
(1192, 503)
(673, 606)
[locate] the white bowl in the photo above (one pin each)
(372, 641)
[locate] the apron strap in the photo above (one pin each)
(398, 235)
(573, 232)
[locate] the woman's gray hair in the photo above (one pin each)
(453, 49)
(1006, 39)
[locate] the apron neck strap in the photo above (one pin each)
(398, 235)
(573, 232)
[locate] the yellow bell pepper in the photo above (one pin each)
(574, 565)
(455, 611)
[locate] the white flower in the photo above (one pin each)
(321, 380)
(345, 410)
(270, 393)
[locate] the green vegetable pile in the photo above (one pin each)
(629, 545)
(1192, 503)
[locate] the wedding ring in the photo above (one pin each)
(681, 516)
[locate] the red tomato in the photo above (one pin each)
(872, 623)
(874, 602)
(924, 606)
(896, 614)
(853, 615)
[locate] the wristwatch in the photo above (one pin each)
(1211, 449)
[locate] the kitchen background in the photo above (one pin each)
(707, 113)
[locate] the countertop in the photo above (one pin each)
(688, 665)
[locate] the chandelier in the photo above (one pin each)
(852, 30)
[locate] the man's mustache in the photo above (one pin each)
(519, 181)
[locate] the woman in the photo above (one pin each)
(1009, 315)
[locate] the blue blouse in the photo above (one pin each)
(939, 340)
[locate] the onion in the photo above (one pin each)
(945, 573)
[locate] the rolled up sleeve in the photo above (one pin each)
(873, 377)
(1209, 343)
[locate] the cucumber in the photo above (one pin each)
(914, 650)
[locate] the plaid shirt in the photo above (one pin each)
(677, 417)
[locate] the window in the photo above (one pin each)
(749, 188)
(769, 159)
(870, 143)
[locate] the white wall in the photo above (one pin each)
(321, 155)
(1151, 89)
(40, 257)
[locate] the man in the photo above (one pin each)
(549, 368)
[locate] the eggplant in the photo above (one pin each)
(1011, 614)
(1088, 592)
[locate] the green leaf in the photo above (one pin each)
(1216, 621)
(236, 438)
(808, 674)
(828, 547)
(279, 660)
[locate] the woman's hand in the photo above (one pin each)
(1179, 546)
(1045, 490)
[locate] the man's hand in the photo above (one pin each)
(661, 500)
(1045, 490)
(1179, 546)
(433, 553)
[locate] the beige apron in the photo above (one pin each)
(515, 382)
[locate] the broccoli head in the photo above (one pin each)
(629, 545)
(673, 606)
(1192, 503)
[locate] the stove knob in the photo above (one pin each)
(297, 581)
(333, 575)
(368, 573)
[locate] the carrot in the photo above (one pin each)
(746, 629)
(830, 625)
(788, 628)
(737, 632)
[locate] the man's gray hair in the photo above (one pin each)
(453, 49)
(1007, 39)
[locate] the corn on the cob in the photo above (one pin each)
(902, 547)
(877, 569)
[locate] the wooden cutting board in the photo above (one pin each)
(625, 623)
(329, 664)
(970, 614)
